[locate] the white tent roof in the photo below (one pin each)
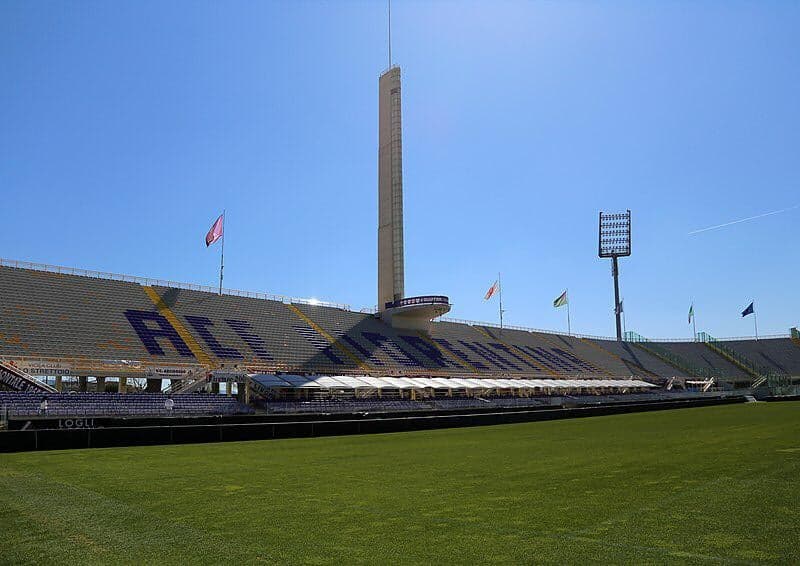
(443, 383)
(289, 381)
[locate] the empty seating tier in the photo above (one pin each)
(89, 321)
(116, 405)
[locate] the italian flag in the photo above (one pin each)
(561, 300)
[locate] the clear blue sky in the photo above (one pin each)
(126, 127)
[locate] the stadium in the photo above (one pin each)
(127, 349)
(282, 429)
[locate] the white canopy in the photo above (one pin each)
(287, 381)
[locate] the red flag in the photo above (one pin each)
(492, 290)
(215, 233)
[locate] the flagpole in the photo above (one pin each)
(755, 319)
(569, 324)
(222, 253)
(500, 296)
(694, 323)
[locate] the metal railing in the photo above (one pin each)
(422, 300)
(671, 358)
(760, 374)
(724, 339)
(523, 328)
(165, 283)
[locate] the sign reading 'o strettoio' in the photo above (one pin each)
(46, 368)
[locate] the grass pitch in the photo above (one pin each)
(716, 484)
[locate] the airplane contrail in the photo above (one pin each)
(743, 220)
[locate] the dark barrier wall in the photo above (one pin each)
(59, 439)
(27, 423)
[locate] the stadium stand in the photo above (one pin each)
(239, 330)
(777, 355)
(635, 360)
(559, 354)
(50, 315)
(119, 326)
(699, 355)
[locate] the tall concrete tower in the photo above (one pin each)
(394, 307)
(391, 271)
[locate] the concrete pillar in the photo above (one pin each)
(83, 383)
(123, 384)
(243, 392)
(58, 383)
(100, 384)
(215, 388)
(391, 271)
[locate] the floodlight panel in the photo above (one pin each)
(615, 234)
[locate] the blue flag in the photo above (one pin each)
(748, 310)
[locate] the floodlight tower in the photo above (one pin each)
(614, 241)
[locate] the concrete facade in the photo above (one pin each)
(391, 271)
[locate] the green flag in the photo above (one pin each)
(691, 312)
(561, 300)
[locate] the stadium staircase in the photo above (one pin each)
(193, 382)
(258, 389)
(673, 381)
(761, 375)
(14, 378)
(676, 361)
